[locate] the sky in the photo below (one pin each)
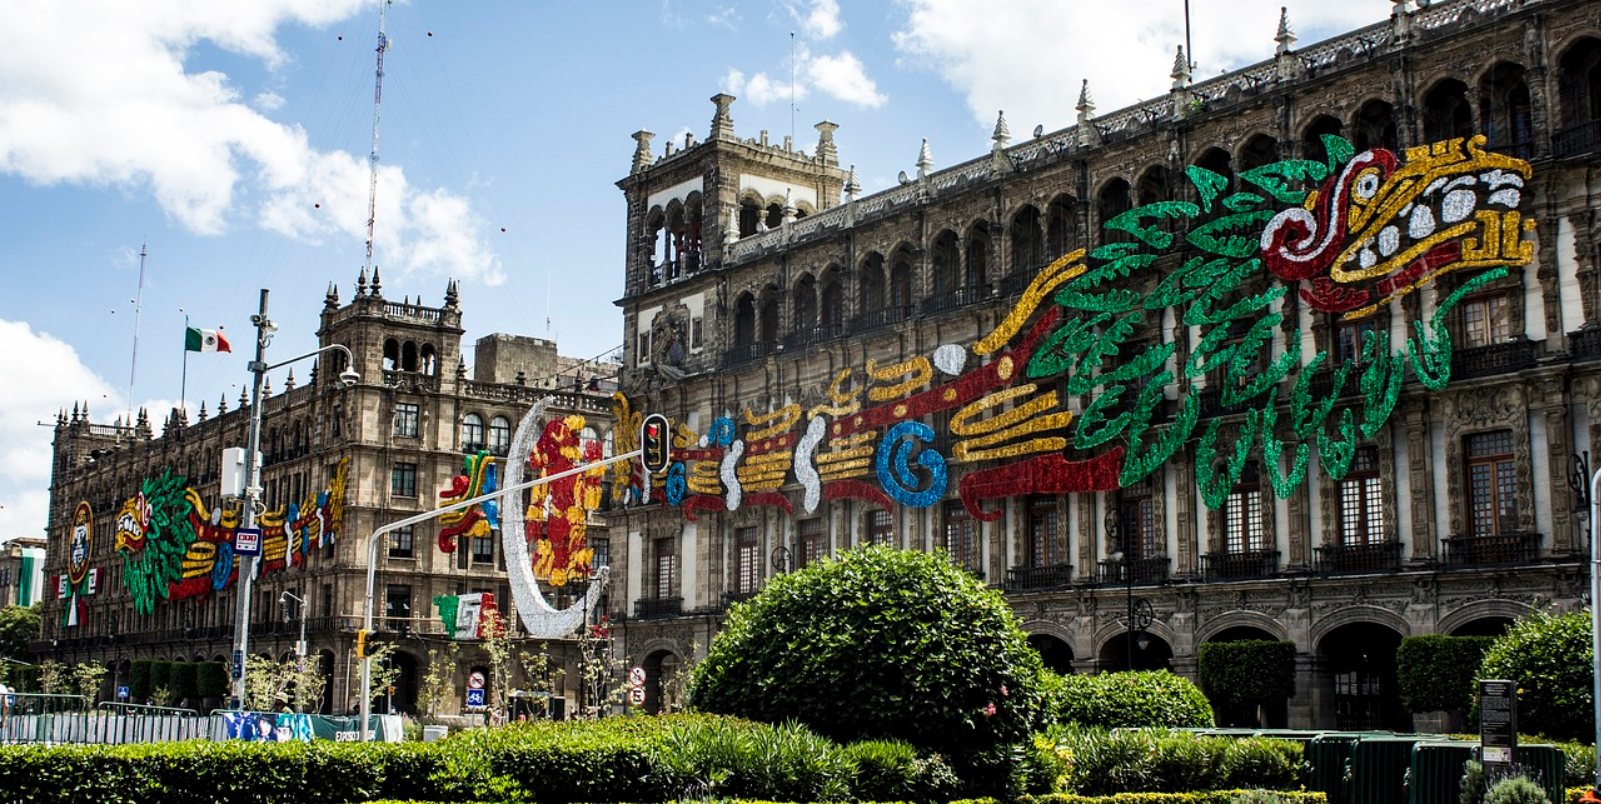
(230, 142)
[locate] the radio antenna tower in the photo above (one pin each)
(373, 156)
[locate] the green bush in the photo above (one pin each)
(878, 644)
(139, 679)
(1155, 760)
(1123, 700)
(1515, 790)
(211, 680)
(882, 770)
(1247, 672)
(182, 681)
(160, 673)
(1550, 659)
(1437, 672)
(1196, 797)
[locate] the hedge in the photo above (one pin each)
(1125, 700)
(1247, 672)
(1437, 672)
(211, 680)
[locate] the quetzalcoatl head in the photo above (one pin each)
(1376, 229)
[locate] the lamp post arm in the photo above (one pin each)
(350, 358)
(373, 554)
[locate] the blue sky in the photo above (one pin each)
(231, 139)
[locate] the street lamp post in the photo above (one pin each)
(1138, 613)
(300, 644)
(253, 485)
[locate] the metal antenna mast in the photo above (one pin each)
(133, 362)
(373, 156)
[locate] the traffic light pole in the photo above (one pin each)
(373, 558)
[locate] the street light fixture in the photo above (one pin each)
(1138, 613)
(300, 645)
(253, 485)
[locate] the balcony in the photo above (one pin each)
(809, 336)
(658, 608)
(880, 319)
(731, 598)
(1035, 579)
(1488, 361)
(1320, 384)
(947, 300)
(1576, 140)
(746, 353)
(1014, 283)
(1584, 344)
(1520, 149)
(1337, 559)
(1150, 570)
(1240, 565)
(1493, 550)
(1211, 402)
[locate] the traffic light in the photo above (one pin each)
(654, 444)
(362, 644)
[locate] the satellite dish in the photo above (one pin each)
(902, 177)
(1037, 132)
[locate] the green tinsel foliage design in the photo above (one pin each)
(1338, 152)
(1283, 485)
(1282, 179)
(1234, 235)
(1208, 184)
(1093, 427)
(1305, 420)
(1246, 352)
(1155, 236)
(1185, 286)
(1142, 460)
(1381, 381)
(149, 571)
(1216, 484)
(1336, 454)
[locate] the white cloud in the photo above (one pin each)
(121, 109)
(842, 77)
(43, 376)
(1028, 57)
(760, 89)
(821, 21)
(727, 17)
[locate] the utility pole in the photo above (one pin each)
(253, 494)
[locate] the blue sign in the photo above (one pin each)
(122, 693)
(476, 697)
(248, 541)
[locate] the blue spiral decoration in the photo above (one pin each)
(899, 481)
(223, 566)
(490, 508)
(674, 485)
(722, 433)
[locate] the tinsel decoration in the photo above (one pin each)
(1055, 274)
(1281, 179)
(1140, 460)
(1094, 428)
(1208, 184)
(1154, 236)
(1216, 486)
(1282, 484)
(1380, 383)
(1306, 420)
(674, 489)
(1336, 455)
(802, 463)
(894, 459)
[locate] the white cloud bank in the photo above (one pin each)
(1028, 57)
(840, 76)
(97, 93)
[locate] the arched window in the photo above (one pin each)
(806, 307)
(832, 305)
(691, 241)
(1063, 230)
(657, 244)
(901, 290)
(751, 213)
(1025, 245)
(1313, 147)
(1112, 201)
(1260, 151)
(429, 359)
(1374, 127)
(500, 436)
(673, 245)
(975, 257)
(774, 215)
(473, 433)
(768, 317)
(1153, 186)
(944, 262)
(1578, 99)
(1445, 114)
(409, 356)
(1217, 160)
(392, 354)
(872, 284)
(1506, 110)
(745, 320)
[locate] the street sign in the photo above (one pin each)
(247, 541)
(476, 680)
(236, 668)
(637, 676)
(122, 693)
(476, 697)
(637, 696)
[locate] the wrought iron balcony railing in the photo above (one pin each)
(1334, 559)
(1147, 570)
(658, 608)
(1240, 565)
(1500, 358)
(1500, 548)
(1584, 344)
(1576, 140)
(1029, 579)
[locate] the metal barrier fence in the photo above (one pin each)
(33, 718)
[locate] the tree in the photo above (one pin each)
(1437, 672)
(437, 685)
(86, 680)
(1550, 659)
(1239, 677)
(19, 626)
(383, 673)
(878, 643)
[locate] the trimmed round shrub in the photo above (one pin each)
(878, 644)
(1249, 671)
(1123, 700)
(1550, 659)
(1515, 790)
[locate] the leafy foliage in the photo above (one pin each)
(1550, 659)
(1515, 790)
(879, 644)
(1437, 672)
(211, 679)
(1098, 762)
(1122, 700)
(1247, 672)
(19, 626)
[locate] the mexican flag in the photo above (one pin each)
(205, 340)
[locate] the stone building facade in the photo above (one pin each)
(388, 444)
(760, 286)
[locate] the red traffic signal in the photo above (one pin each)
(656, 452)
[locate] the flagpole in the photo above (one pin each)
(183, 377)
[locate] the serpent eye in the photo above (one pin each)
(1365, 187)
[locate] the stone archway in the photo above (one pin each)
(662, 668)
(1357, 676)
(1056, 654)
(1147, 651)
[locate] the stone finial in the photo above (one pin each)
(925, 162)
(520, 378)
(1180, 72)
(244, 398)
(222, 404)
(374, 289)
(289, 382)
(732, 231)
(788, 212)
(202, 416)
(451, 294)
(331, 299)
(999, 134)
(643, 151)
(1283, 35)
(362, 282)
(825, 152)
(1085, 106)
(723, 124)
(852, 187)
(462, 367)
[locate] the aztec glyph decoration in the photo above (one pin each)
(556, 518)
(1064, 372)
(174, 548)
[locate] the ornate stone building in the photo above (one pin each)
(381, 450)
(831, 360)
